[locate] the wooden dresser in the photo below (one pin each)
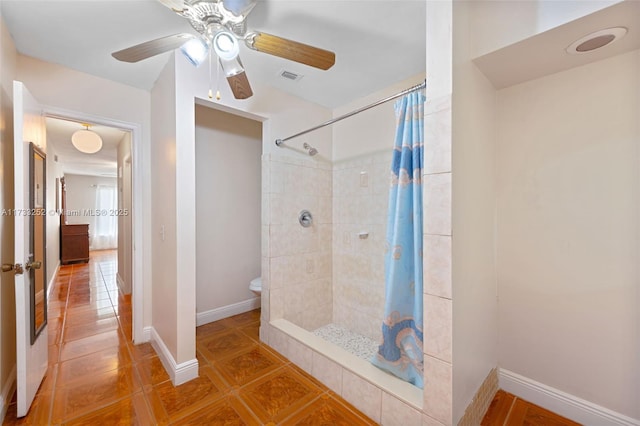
(74, 238)
(74, 243)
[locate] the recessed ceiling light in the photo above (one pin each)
(596, 40)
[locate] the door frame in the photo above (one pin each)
(140, 256)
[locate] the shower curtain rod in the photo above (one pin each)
(422, 85)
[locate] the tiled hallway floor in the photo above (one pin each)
(508, 410)
(96, 376)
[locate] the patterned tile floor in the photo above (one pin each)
(96, 376)
(508, 410)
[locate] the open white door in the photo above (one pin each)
(32, 358)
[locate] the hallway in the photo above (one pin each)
(97, 376)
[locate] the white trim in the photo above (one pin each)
(179, 373)
(146, 334)
(52, 280)
(141, 228)
(562, 403)
(227, 311)
(120, 283)
(140, 232)
(7, 393)
(208, 103)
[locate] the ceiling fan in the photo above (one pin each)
(221, 24)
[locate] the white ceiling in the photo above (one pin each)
(377, 43)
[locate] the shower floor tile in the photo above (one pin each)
(357, 344)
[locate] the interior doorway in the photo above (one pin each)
(228, 213)
(92, 190)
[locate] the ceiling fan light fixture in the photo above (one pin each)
(86, 141)
(226, 45)
(195, 50)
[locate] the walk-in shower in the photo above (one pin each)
(327, 282)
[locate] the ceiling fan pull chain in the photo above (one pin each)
(210, 73)
(217, 79)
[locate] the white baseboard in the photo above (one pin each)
(120, 283)
(124, 288)
(562, 403)
(179, 373)
(52, 280)
(146, 334)
(227, 311)
(8, 388)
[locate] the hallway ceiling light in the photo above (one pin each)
(86, 141)
(596, 40)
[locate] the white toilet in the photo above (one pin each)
(256, 285)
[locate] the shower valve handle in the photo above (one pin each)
(305, 218)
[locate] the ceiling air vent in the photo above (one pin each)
(290, 75)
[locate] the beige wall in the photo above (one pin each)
(228, 207)
(568, 231)
(64, 88)
(475, 309)
(564, 166)
(66, 91)
(163, 220)
(177, 90)
(7, 287)
(284, 114)
(501, 23)
(125, 230)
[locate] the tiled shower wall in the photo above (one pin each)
(299, 267)
(360, 200)
(329, 272)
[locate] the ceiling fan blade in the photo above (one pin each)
(176, 5)
(151, 48)
(240, 86)
(239, 7)
(236, 77)
(292, 50)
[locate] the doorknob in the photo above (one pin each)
(17, 268)
(36, 264)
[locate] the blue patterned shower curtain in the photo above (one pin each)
(401, 350)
